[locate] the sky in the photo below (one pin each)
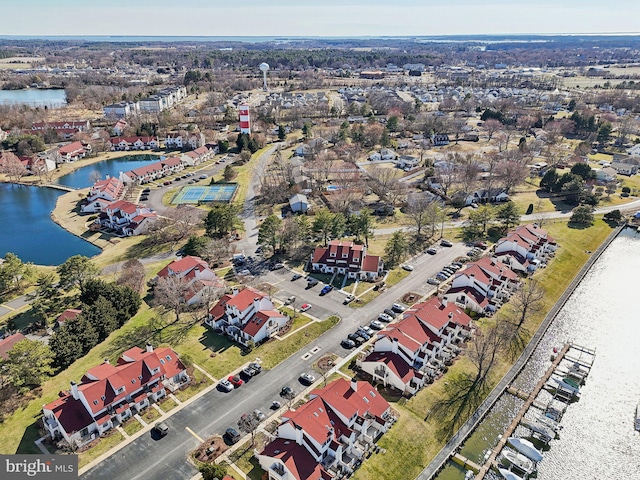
(341, 18)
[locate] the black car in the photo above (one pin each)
(232, 435)
(295, 277)
(347, 343)
(256, 367)
(390, 312)
(355, 338)
(286, 392)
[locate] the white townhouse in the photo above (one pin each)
(125, 144)
(198, 277)
(525, 248)
(153, 171)
(126, 218)
(102, 193)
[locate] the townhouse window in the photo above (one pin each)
(168, 357)
(139, 377)
(345, 255)
(133, 380)
(103, 398)
(120, 390)
(95, 402)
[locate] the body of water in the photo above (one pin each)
(80, 178)
(34, 97)
(29, 232)
(598, 439)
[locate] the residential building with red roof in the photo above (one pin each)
(72, 152)
(7, 343)
(109, 394)
(74, 125)
(119, 127)
(126, 218)
(525, 248)
(346, 258)
(329, 434)
(181, 140)
(153, 171)
(102, 193)
(64, 317)
(198, 277)
(482, 286)
(126, 144)
(198, 155)
(246, 316)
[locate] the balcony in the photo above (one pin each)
(277, 470)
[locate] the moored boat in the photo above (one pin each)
(509, 457)
(508, 474)
(638, 417)
(470, 475)
(526, 448)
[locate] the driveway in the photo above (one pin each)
(211, 414)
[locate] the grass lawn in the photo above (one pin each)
(395, 276)
(150, 414)
(167, 404)
(243, 177)
(337, 281)
(363, 287)
(364, 299)
(105, 444)
(132, 426)
(321, 277)
(244, 460)
(199, 381)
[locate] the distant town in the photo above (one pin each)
(317, 259)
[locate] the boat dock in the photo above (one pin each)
(57, 186)
(568, 352)
(465, 462)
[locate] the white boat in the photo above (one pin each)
(541, 429)
(548, 422)
(566, 385)
(638, 417)
(526, 448)
(508, 474)
(518, 460)
(470, 475)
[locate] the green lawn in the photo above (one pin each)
(244, 459)
(166, 405)
(132, 426)
(395, 276)
(321, 277)
(105, 444)
(150, 414)
(199, 381)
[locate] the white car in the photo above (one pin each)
(385, 318)
(305, 307)
(376, 324)
(398, 308)
(259, 415)
(225, 385)
(408, 268)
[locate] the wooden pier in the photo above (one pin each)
(465, 462)
(518, 418)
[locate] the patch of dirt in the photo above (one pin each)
(410, 298)
(265, 287)
(326, 363)
(211, 449)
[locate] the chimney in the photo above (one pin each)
(234, 291)
(106, 360)
(298, 434)
(74, 390)
(450, 315)
(354, 384)
(149, 347)
(256, 304)
(394, 345)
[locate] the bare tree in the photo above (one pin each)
(527, 300)
(447, 172)
(11, 166)
(512, 171)
(169, 293)
(491, 126)
(94, 176)
(383, 181)
(418, 212)
(248, 423)
(132, 275)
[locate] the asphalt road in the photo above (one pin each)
(213, 413)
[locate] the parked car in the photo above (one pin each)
(481, 245)
(307, 378)
(259, 415)
(225, 385)
(408, 268)
(236, 381)
(366, 330)
(326, 289)
(248, 371)
(432, 251)
(364, 335)
(276, 266)
(305, 307)
(348, 344)
(203, 176)
(433, 281)
(287, 392)
(146, 190)
(472, 253)
(244, 272)
(275, 405)
(348, 299)
(256, 367)
(232, 435)
(295, 277)
(376, 324)
(161, 429)
(168, 182)
(355, 338)
(312, 282)
(390, 312)
(385, 318)
(290, 300)
(398, 308)
(446, 243)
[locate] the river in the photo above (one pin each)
(29, 232)
(34, 97)
(598, 439)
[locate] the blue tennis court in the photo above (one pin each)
(196, 194)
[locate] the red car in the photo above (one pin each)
(236, 381)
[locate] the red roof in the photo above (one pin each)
(340, 395)
(253, 326)
(182, 266)
(244, 298)
(155, 167)
(70, 413)
(7, 344)
(73, 147)
(395, 363)
(68, 314)
(472, 293)
(371, 263)
(335, 251)
(296, 458)
(434, 313)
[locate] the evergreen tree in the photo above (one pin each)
(396, 248)
(508, 215)
(28, 363)
(269, 232)
(282, 133)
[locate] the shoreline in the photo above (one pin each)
(458, 438)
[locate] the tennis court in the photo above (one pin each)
(196, 194)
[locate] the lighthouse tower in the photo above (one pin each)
(245, 122)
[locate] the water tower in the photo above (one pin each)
(264, 68)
